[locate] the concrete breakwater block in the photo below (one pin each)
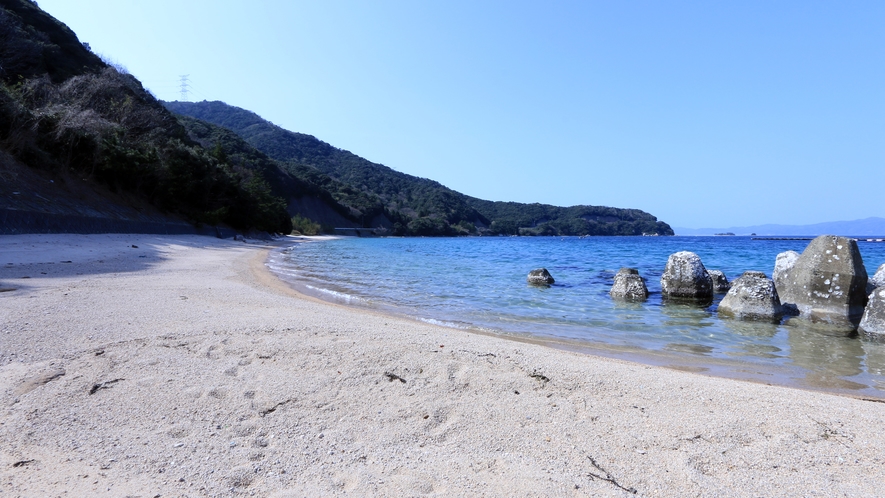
(877, 280)
(720, 281)
(686, 279)
(752, 296)
(629, 285)
(873, 320)
(540, 276)
(826, 283)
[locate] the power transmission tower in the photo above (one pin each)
(184, 86)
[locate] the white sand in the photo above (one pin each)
(183, 368)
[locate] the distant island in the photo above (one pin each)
(873, 226)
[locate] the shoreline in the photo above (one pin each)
(194, 370)
(784, 375)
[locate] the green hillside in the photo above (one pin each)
(81, 137)
(71, 119)
(421, 206)
(297, 185)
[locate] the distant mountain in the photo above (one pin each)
(413, 206)
(865, 227)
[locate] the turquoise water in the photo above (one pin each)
(479, 283)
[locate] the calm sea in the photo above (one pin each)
(479, 283)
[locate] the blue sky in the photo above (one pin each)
(705, 114)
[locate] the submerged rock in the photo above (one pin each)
(540, 277)
(826, 283)
(873, 321)
(752, 296)
(720, 282)
(685, 278)
(629, 285)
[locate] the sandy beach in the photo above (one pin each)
(144, 365)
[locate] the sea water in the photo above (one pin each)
(480, 283)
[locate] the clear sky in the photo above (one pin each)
(705, 114)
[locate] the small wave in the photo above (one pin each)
(452, 325)
(338, 295)
(442, 323)
(279, 268)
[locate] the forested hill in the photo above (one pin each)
(417, 205)
(308, 192)
(82, 138)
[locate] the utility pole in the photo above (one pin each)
(184, 87)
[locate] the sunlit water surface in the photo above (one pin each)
(479, 283)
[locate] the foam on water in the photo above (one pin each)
(347, 298)
(480, 283)
(451, 325)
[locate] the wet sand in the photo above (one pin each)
(182, 367)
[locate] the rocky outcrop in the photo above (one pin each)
(540, 277)
(752, 296)
(629, 285)
(878, 280)
(685, 278)
(873, 321)
(720, 282)
(826, 283)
